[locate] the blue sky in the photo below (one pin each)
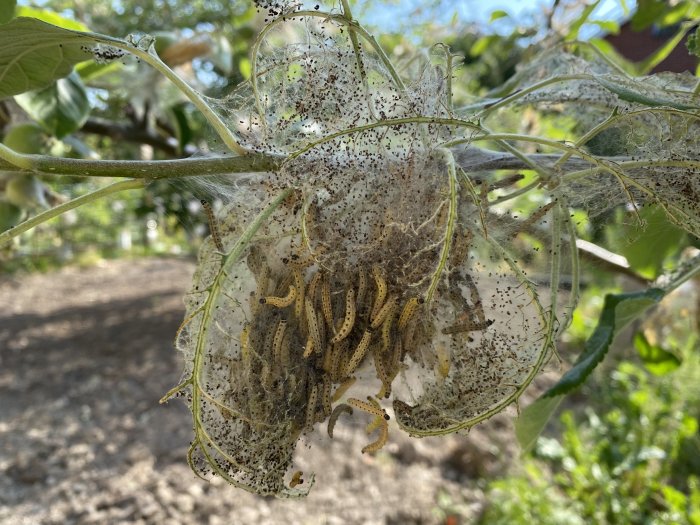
(393, 16)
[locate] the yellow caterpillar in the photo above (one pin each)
(280, 302)
(349, 320)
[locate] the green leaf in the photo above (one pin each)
(576, 24)
(693, 43)
(92, 70)
(481, 45)
(33, 54)
(181, 124)
(657, 360)
(61, 108)
(618, 311)
(498, 13)
(630, 91)
(648, 12)
(611, 27)
(612, 54)
(7, 10)
(10, 215)
(51, 18)
(27, 137)
(26, 191)
(531, 422)
(244, 67)
(650, 247)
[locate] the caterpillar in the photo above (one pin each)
(380, 442)
(245, 351)
(384, 312)
(213, 226)
(337, 359)
(280, 302)
(374, 424)
(309, 347)
(361, 287)
(348, 320)
(443, 360)
(296, 479)
(468, 326)
(326, 305)
(536, 216)
(299, 283)
(335, 415)
(311, 290)
(396, 358)
(382, 373)
(326, 397)
(359, 353)
(409, 311)
(312, 320)
(342, 388)
(320, 324)
(381, 290)
(277, 340)
(311, 408)
(369, 408)
(375, 409)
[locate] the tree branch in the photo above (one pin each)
(470, 159)
(132, 133)
(137, 169)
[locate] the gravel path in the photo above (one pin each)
(85, 355)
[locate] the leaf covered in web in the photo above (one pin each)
(380, 256)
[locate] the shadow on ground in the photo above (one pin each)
(85, 355)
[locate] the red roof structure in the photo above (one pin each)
(638, 45)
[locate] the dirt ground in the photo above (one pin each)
(85, 355)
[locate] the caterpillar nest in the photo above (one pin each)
(371, 257)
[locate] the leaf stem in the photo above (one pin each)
(150, 56)
(123, 185)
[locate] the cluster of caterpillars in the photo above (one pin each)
(327, 326)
